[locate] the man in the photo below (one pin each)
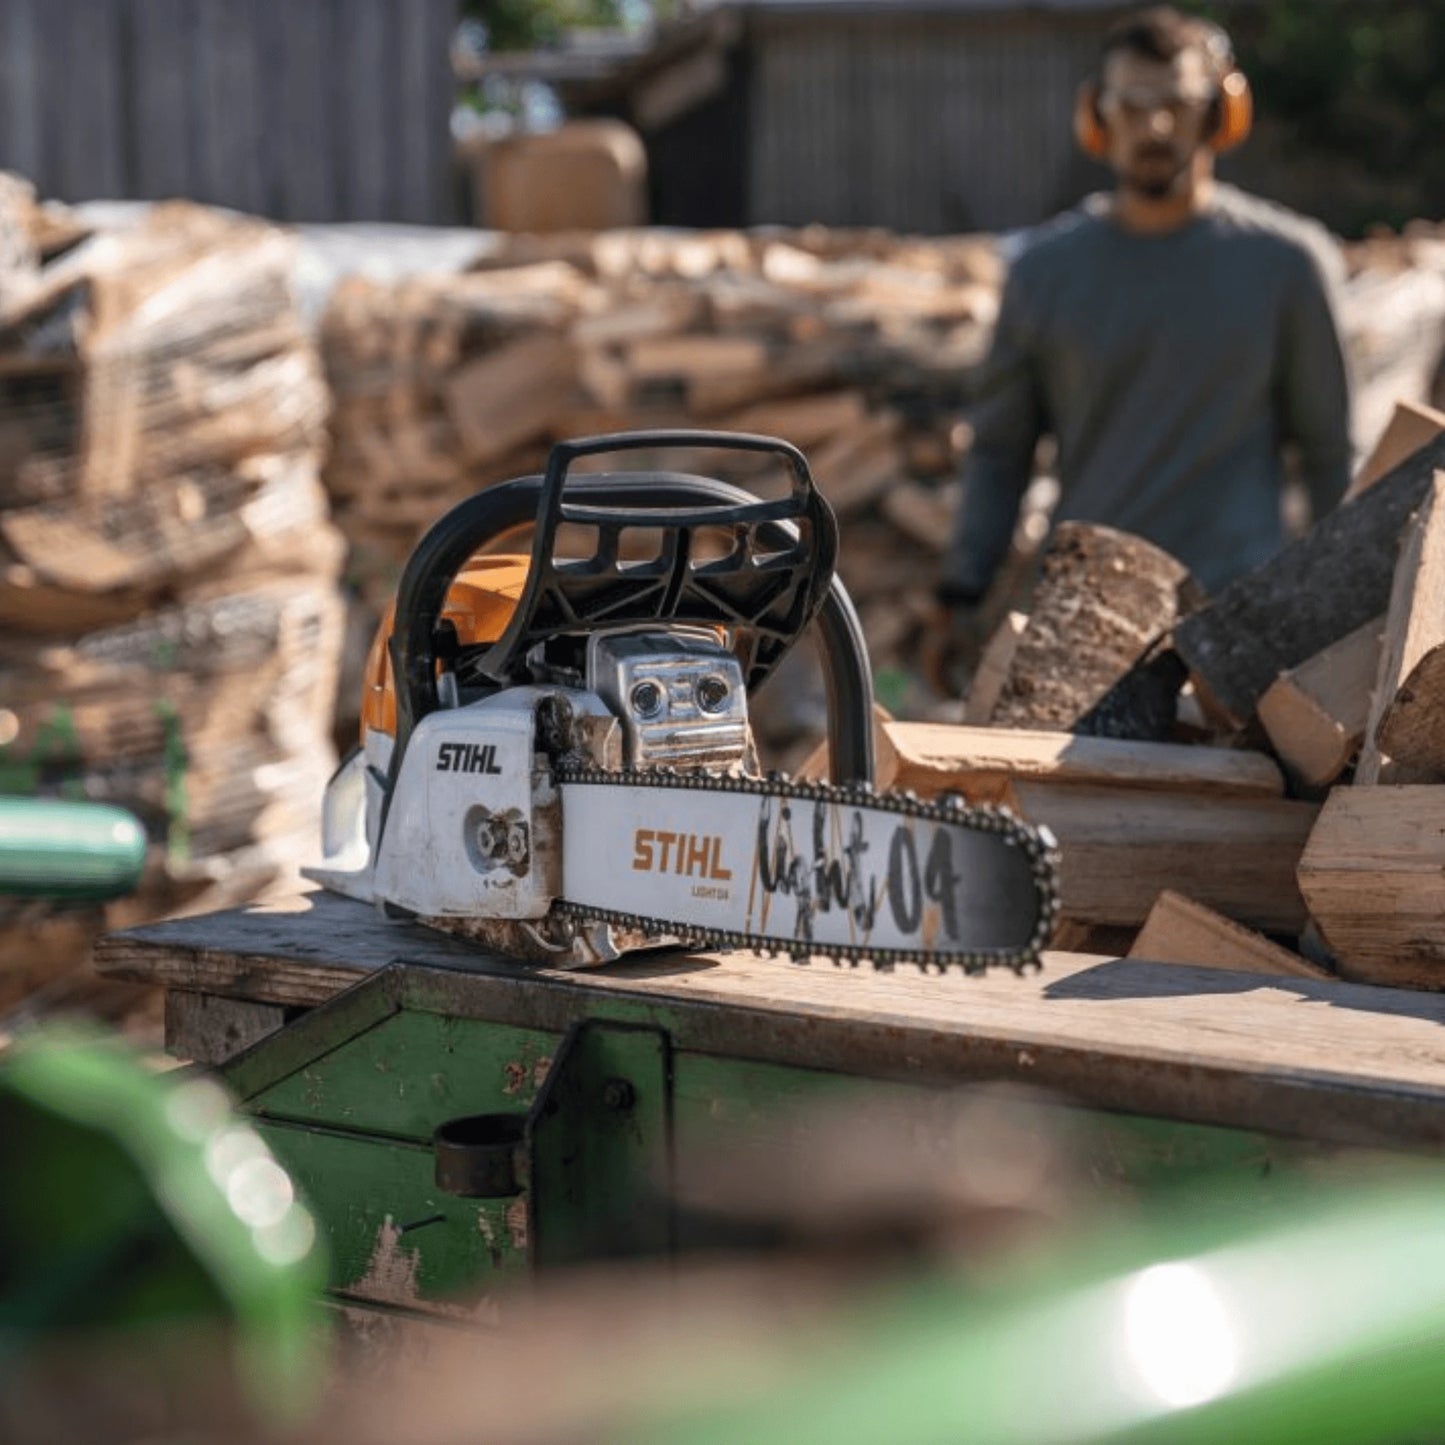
(1172, 335)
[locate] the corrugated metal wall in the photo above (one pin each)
(929, 123)
(305, 110)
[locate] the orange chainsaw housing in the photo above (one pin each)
(479, 604)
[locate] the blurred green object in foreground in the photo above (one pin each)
(1320, 1322)
(139, 1215)
(81, 852)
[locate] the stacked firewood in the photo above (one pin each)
(444, 383)
(850, 345)
(170, 621)
(1252, 780)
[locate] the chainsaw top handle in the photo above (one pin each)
(777, 577)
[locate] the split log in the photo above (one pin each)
(1373, 874)
(1411, 426)
(1315, 714)
(981, 763)
(1121, 848)
(1334, 579)
(1412, 730)
(1179, 930)
(1103, 598)
(1414, 623)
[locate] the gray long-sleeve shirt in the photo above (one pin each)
(1171, 370)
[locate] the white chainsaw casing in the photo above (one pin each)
(474, 826)
(468, 784)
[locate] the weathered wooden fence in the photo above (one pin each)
(305, 110)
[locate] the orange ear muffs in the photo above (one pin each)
(1234, 113)
(1233, 116)
(1089, 131)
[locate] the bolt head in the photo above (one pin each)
(492, 838)
(646, 699)
(712, 693)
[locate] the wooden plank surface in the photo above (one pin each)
(1297, 1056)
(980, 762)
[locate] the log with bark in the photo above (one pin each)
(1103, 600)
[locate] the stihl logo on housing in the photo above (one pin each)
(692, 855)
(467, 758)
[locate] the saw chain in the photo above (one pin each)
(1018, 842)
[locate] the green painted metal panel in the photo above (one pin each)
(722, 1103)
(354, 1091)
(394, 1237)
(411, 1072)
(601, 1147)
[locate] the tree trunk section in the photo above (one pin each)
(1103, 599)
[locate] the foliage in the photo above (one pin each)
(534, 24)
(1356, 89)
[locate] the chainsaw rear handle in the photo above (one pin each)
(666, 500)
(773, 590)
(563, 454)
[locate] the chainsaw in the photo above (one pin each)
(556, 758)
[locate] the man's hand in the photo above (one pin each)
(952, 647)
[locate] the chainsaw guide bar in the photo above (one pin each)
(806, 869)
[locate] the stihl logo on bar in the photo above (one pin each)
(693, 855)
(467, 758)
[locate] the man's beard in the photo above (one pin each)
(1157, 185)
